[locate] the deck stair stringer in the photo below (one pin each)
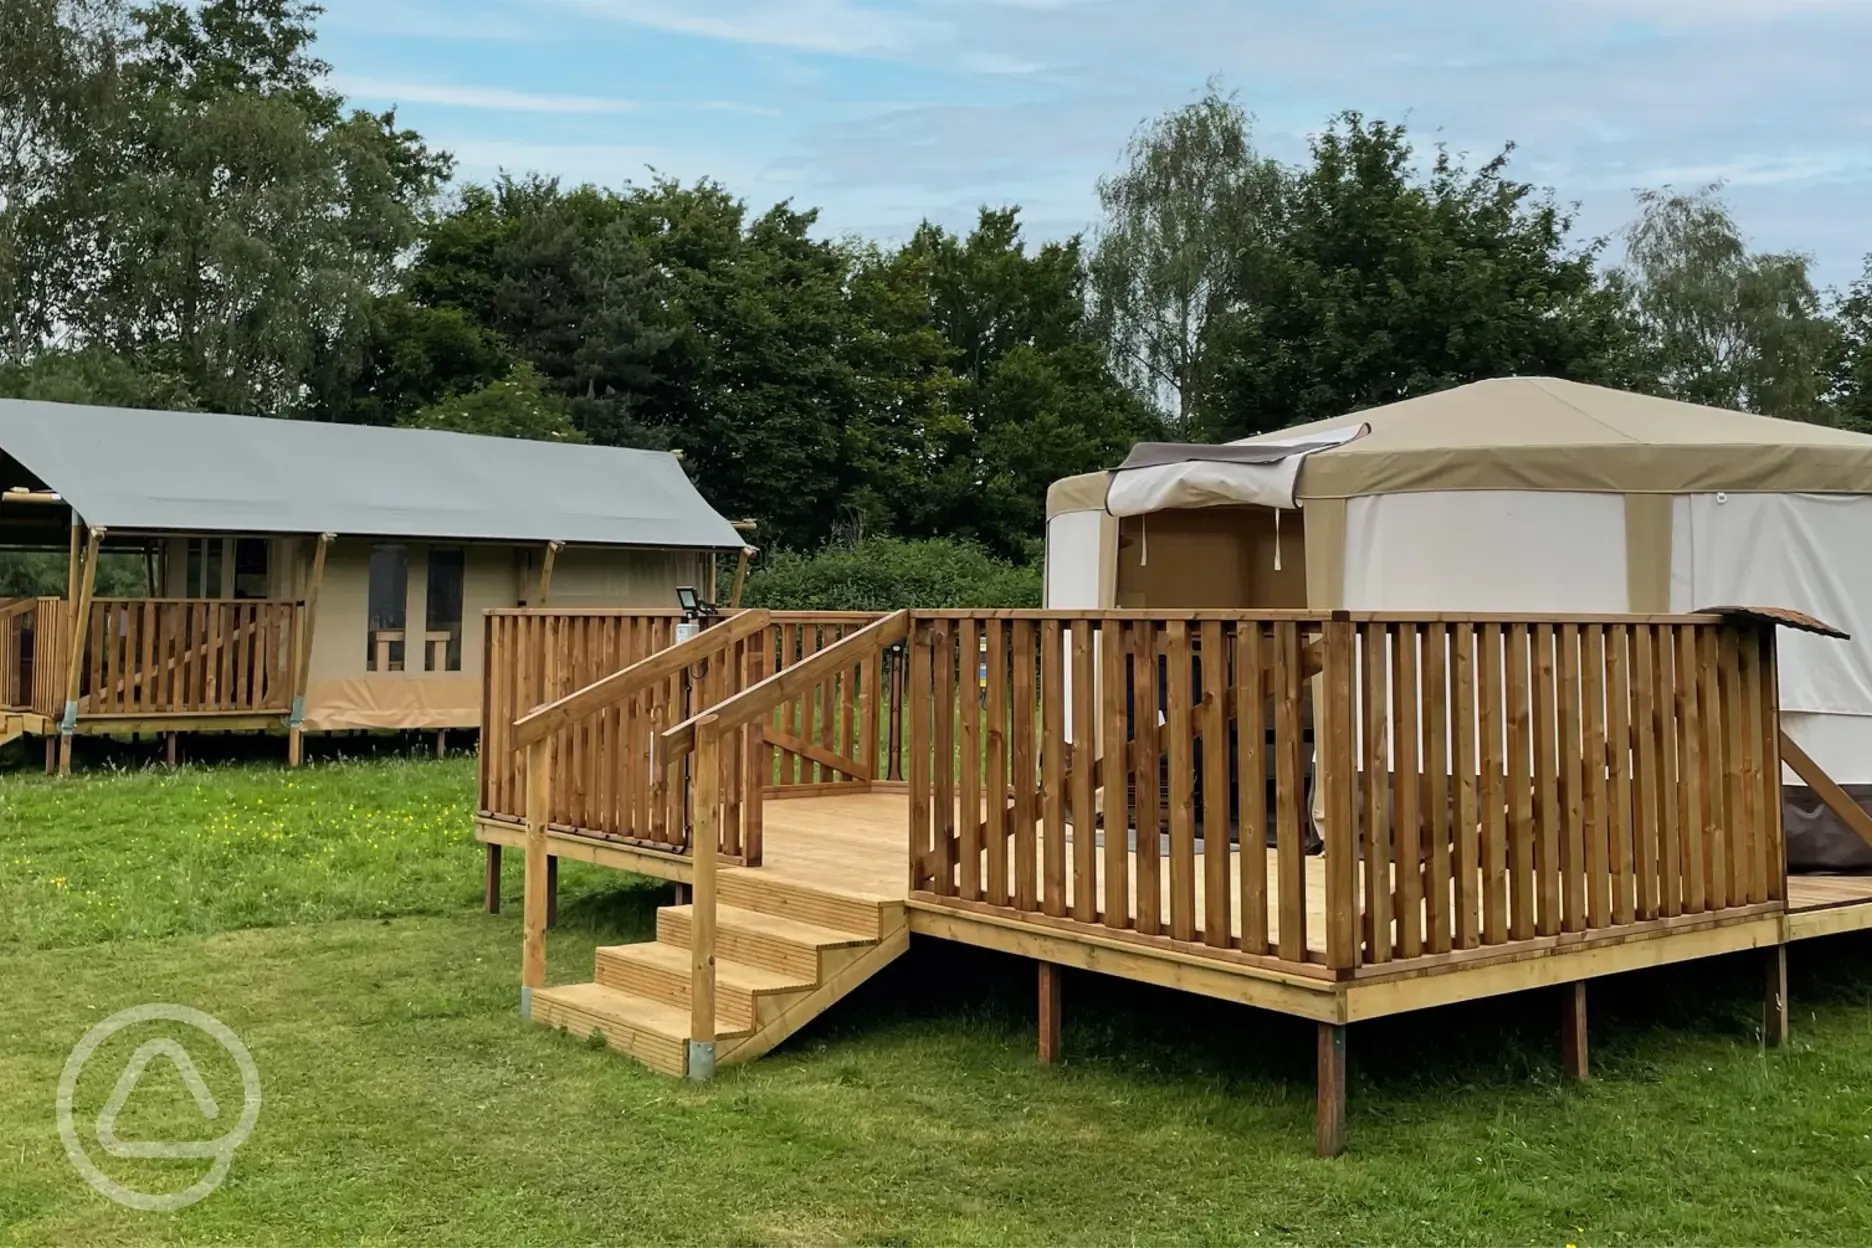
(785, 953)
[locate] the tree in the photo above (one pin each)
(1723, 325)
(401, 357)
(94, 376)
(1034, 398)
(215, 213)
(1192, 205)
(1852, 356)
(1384, 283)
(519, 405)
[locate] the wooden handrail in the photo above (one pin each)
(676, 743)
(545, 720)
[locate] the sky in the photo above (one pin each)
(883, 113)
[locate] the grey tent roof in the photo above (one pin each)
(130, 469)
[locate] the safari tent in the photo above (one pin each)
(1522, 494)
(312, 576)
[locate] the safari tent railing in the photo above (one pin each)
(1482, 783)
(188, 656)
(599, 729)
(840, 732)
(33, 640)
(724, 746)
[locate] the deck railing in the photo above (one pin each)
(596, 689)
(1405, 787)
(32, 655)
(149, 658)
(188, 656)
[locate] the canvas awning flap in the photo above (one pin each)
(1160, 476)
(196, 472)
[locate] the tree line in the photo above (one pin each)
(191, 217)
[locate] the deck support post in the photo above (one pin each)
(1051, 976)
(1329, 1123)
(302, 660)
(74, 670)
(493, 890)
(1574, 1060)
(441, 743)
(1775, 997)
(705, 834)
(51, 755)
(533, 920)
(680, 894)
(172, 750)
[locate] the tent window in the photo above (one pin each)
(389, 608)
(251, 579)
(443, 644)
(203, 576)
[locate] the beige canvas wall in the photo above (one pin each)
(625, 578)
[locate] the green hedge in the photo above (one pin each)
(886, 573)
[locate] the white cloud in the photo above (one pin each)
(498, 99)
(846, 27)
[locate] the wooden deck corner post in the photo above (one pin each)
(546, 569)
(533, 914)
(493, 886)
(302, 664)
(1337, 776)
(1330, 1120)
(1050, 1001)
(1775, 997)
(705, 791)
(1574, 1059)
(74, 659)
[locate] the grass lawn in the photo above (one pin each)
(330, 917)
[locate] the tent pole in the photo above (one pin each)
(74, 660)
(546, 570)
(302, 666)
(71, 566)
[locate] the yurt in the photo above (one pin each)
(1521, 494)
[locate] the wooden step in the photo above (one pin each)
(750, 888)
(654, 1032)
(764, 940)
(660, 972)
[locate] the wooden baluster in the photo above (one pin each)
(1436, 735)
(1053, 769)
(1407, 790)
(1549, 803)
(1147, 746)
(1598, 837)
(942, 639)
(1520, 787)
(1082, 789)
(1715, 765)
(1619, 824)
(1251, 783)
(920, 711)
(968, 698)
(1690, 775)
(1468, 865)
(1574, 760)
(1113, 650)
(1025, 817)
(1289, 792)
(999, 829)
(1494, 821)
(1212, 724)
(1179, 728)
(1377, 821)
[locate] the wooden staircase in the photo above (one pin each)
(785, 953)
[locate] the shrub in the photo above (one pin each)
(887, 573)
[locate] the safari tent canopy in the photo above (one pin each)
(197, 472)
(1531, 494)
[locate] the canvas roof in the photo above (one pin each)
(124, 468)
(1539, 433)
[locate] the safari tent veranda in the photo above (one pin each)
(310, 576)
(1523, 495)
